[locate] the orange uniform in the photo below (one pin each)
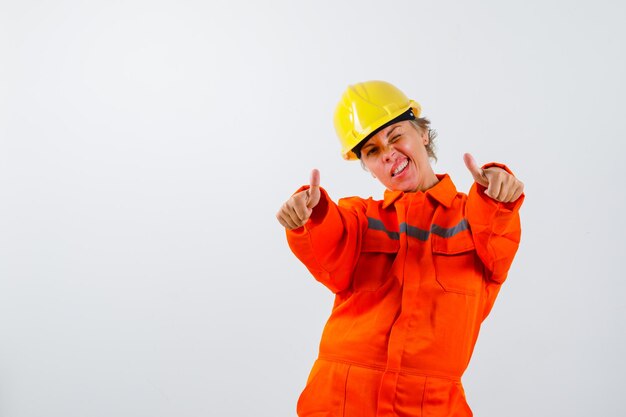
(414, 276)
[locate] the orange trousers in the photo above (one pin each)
(340, 389)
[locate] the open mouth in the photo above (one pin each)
(400, 168)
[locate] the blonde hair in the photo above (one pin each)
(424, 124)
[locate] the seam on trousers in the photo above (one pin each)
(345, 391)
(423, 396)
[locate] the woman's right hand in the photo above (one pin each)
(297, 210)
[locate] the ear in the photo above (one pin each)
(425, 137)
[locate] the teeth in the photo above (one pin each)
(400, 168)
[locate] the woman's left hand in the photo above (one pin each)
(501, 186)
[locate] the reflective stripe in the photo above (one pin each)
(376, 224)
(443, 232)
(416, 232)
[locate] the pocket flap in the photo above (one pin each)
(459, 243)
(379, 242)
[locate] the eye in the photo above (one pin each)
(394, 139)
(371, 151)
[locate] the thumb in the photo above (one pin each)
(313, 193)
(477, 173)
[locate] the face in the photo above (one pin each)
(397, 157)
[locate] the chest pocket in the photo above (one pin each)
(373, 269)
(457, 267)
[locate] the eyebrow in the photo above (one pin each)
(394, 128)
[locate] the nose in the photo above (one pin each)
(388, 153)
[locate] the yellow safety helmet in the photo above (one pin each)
(365, 108)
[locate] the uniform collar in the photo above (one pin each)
(444, 192)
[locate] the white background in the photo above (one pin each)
(145, 147)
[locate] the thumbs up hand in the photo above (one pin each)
(296, 211)
(501, 186)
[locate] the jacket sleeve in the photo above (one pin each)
(495, 229)
(328, 244)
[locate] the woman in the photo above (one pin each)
(414, 274)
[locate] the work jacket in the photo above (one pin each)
(414, 276)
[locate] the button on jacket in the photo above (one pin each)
(414, 276)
